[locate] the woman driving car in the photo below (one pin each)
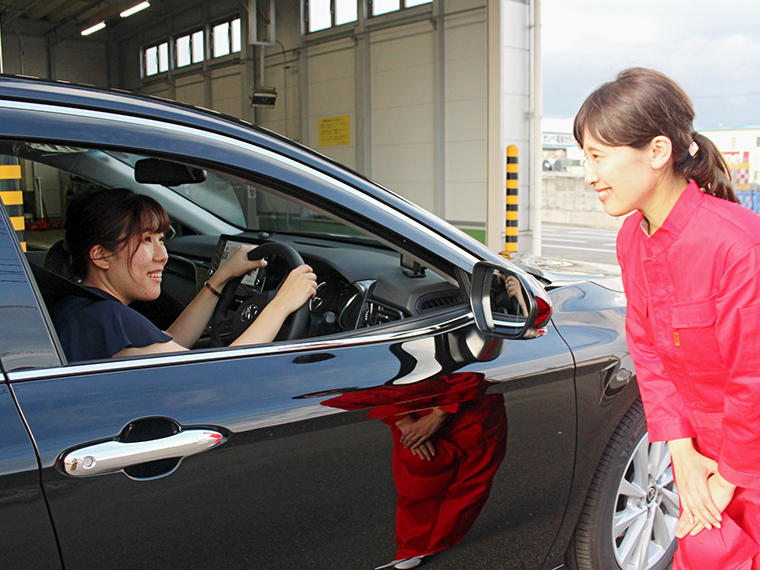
(114, 246)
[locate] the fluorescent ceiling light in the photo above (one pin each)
(135, 9)
(94, 29)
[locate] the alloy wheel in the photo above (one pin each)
(646, 514)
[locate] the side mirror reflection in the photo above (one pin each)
(501, 302)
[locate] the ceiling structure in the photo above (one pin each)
(65, 17)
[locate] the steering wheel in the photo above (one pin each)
(224, 330)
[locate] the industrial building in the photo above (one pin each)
(423, 96)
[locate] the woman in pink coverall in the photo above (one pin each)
(690, 258)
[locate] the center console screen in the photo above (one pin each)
(225, 248)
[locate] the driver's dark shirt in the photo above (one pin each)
(96, 329)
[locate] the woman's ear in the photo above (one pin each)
(100, 257)
(661, 149)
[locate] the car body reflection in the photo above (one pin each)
(449, 439)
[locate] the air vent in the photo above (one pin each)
(431, 304)
(385, 314)
(378, 314)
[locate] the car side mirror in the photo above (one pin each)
(157, 171)
(504, 305)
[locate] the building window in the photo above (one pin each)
(156, 59)
(733, 142)
(757, 142)
(324, 14)
(183, 51)
(189, 48)
(379, 7)
(346, 11)
(199, 51)
(226, 38)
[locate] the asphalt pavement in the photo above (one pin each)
(590, 245)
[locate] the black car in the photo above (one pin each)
(279, 455)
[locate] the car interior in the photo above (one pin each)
(362, 281)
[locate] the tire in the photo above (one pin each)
(630, 517)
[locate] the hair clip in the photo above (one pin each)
(693, 149)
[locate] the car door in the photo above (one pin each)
(28, 539)
(291, 481)
(285, 461)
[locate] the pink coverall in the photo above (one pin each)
(693, 327)
(439, 500)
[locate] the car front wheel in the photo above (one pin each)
(630, 517)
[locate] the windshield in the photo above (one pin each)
(252, 206)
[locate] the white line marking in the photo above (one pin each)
(565, 240)
(550, 246)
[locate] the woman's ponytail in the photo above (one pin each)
(707, 168)
(58, 260)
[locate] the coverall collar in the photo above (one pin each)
(674, 224)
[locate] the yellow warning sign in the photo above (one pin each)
(334, 131)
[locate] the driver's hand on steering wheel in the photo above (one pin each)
(299, 287)
(238, 264)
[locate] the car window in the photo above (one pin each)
(252, 206)
(220, 196)
(363, 282)
(60, 172)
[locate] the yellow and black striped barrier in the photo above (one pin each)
(510, 245)
(13, 198)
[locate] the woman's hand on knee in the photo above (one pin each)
(692, 471)
(721, 491)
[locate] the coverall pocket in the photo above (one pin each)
(695, 337)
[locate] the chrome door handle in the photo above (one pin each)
(113, 456)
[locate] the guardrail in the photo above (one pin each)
(750, 200)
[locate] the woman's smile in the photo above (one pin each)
(603, 193)
(146, 257)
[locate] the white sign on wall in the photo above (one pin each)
(559, 139)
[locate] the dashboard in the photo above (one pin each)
(358, 285)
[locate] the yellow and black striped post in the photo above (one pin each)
(12, 196)
(510, 245)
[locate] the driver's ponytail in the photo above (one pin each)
(110, 218)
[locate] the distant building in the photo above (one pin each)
(561, 153)
(741, 149)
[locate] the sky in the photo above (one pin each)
(710, 47)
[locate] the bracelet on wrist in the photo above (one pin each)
(208, 286)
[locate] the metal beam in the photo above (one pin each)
(45, 9)
(496, 159)
(536, 146)
(16, 12)
(439, 109)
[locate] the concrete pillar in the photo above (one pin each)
(495, 154)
